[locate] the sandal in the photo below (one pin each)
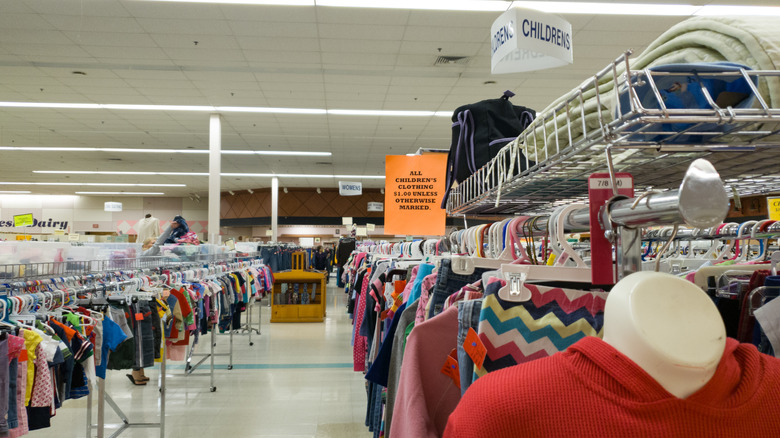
(136, 382)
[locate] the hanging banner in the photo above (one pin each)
(414, 188)
(350, 188)
(773, 207)
(528, 40)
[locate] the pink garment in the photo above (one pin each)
(425, 294)
(43, 391)
(21, 411)
(426, 397)
(361, 343)
(410, 283)
(175, 352)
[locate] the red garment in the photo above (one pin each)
(592, 390)
(186, 310)
(361, 343)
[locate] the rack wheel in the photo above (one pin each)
(230, 367)
(213, 389)
(189, 367)
(214, 345)
(251, 344)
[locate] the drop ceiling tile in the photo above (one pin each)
(362, 15)
(278, 44)
(285, 60)
(277, 30)
(361, 31)
(207, 55)
(253, 13)
(93, 23)
(185, 27)
(358, 46)
(189, 10)
(449, 34)
(447, 49)
(26, 22)
(457, 19)
(114, 52)
(189, 41)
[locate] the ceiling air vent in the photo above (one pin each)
(451, 60)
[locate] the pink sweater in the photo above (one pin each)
(426, 397)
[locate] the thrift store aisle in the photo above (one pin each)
(296, 381)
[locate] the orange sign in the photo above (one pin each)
(414, 187)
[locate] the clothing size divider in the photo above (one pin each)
(249, 326)
(190, 369)
(104, 398)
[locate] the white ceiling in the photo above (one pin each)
(278, 56)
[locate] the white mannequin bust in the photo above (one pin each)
(667, 326)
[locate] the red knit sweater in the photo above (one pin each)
(592, 390)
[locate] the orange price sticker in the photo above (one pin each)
(475, 348)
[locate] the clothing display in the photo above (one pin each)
(148, 227)
(592, 376)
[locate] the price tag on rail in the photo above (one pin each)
(603, 269)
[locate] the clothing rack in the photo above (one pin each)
(84, 280)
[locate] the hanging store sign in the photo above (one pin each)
(376, 206)
(773, 207)
(414, 188)
(528, 40)
(350, 188)
(24, 220)
(112, 206)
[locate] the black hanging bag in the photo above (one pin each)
(479, 131)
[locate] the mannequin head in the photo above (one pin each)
(667, 326)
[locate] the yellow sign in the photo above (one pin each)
(59, 232)
(773, 207)
(23, 220)
(414, 187)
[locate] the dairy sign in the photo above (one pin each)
(527, 40)
(33, 222)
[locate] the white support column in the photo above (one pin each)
(275, 209)
(215, 168)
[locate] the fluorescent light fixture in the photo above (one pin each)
(288, 153)
(14, 192)
(726, 10)
(211, 109)
(251, 175)
(595, 8)
(245, 2)
(161, 151)
(120, 193)
(436, 5)
(105, 172)
(262, 109)
(591, 8)
(382, 113)
(16, 183)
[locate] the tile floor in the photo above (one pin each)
(295, 381)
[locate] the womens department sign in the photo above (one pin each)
(414, 187)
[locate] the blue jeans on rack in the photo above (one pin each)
(468, 317)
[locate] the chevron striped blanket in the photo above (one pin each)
(551, 321)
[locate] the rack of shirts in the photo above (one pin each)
(118, 319)
(427, 324)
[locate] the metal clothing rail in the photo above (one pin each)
(568, 142)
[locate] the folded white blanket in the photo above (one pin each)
(752, 41)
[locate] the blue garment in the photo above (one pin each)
(113, 335)
(423, 271)
(447, 283)
(468, 317)
(380, 369)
